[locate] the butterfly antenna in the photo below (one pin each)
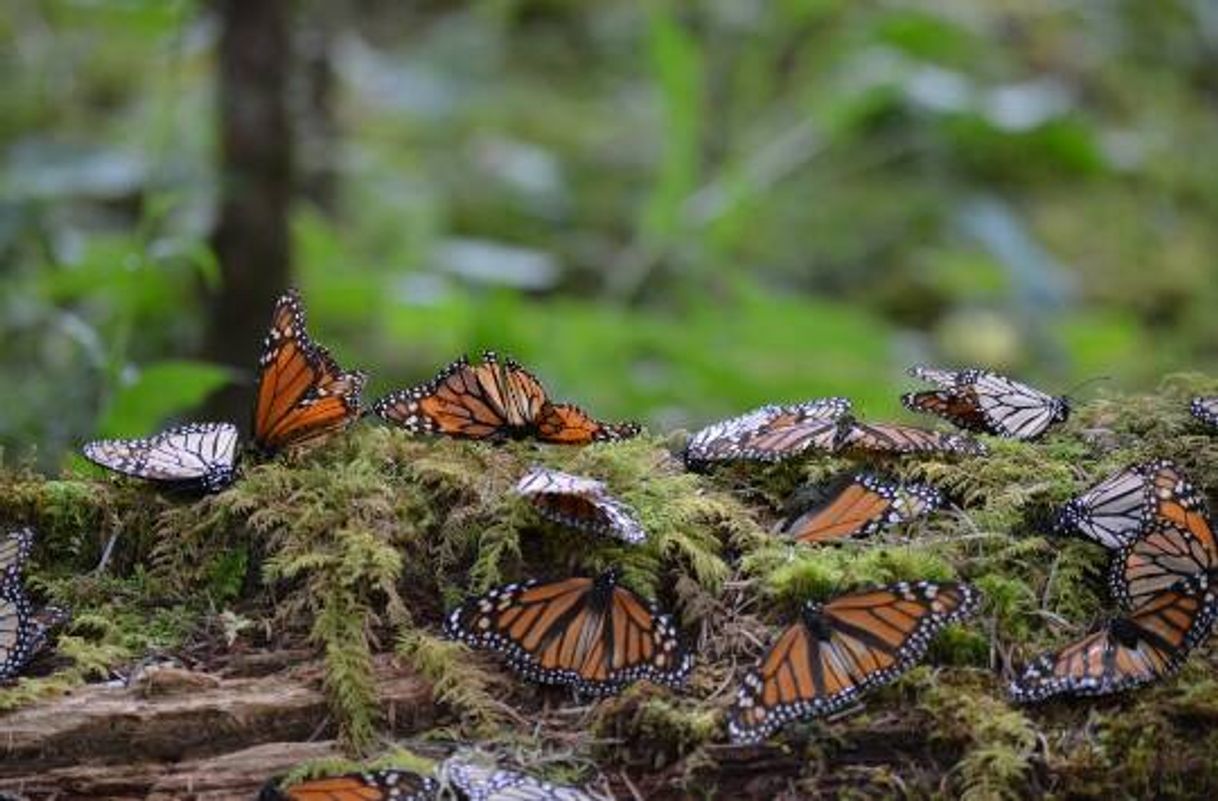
(1093, 380)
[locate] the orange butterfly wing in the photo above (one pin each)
(960, 406)
(377, 785)
(303, 395)
(1164, 555)
(340, 788)
(857, 510)
(566, 424)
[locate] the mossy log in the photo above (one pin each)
(303, 605)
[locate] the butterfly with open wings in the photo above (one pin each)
(590, 633)
(840, 649)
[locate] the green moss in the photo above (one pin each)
(999, 742)
(459, 682)
(652, 727)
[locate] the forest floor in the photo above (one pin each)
(290, 624)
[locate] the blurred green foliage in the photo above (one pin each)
(671, 210)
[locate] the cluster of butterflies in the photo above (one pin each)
(467, 776)
(1164, 573)
(304, 397)
(596, 635)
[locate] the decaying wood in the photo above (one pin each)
(232, 776)
(182, 734)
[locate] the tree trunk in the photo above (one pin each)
(251, 238)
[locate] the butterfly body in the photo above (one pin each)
(588, 633)
(494, 400)
(303, 395)
(987, 402)
(838, 650)
(196, 456)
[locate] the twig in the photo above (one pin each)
(634, 791)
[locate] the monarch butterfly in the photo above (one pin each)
(980, 400)
(1167, 554)
(581, 503)
(14, 551)
(479, 782)
(303, 395)
(194, 456)
(840, 649)
(377, 785)
(1117, 509)
(862, 505)
(23, 630)
(1205, 409)
(493, 400)
(769, 433)
(1152, 642)
(588, 633)
(20, 637)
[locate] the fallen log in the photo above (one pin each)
(185, 734)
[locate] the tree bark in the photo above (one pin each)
(251, 238)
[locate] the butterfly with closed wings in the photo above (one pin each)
(303, 395)
(581, 503)
(494, 400)
(986, 402)
(197, 456)
(589, 633)
(23, 628)
(838, 650)
(859, 506)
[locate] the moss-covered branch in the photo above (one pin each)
(358, 547)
